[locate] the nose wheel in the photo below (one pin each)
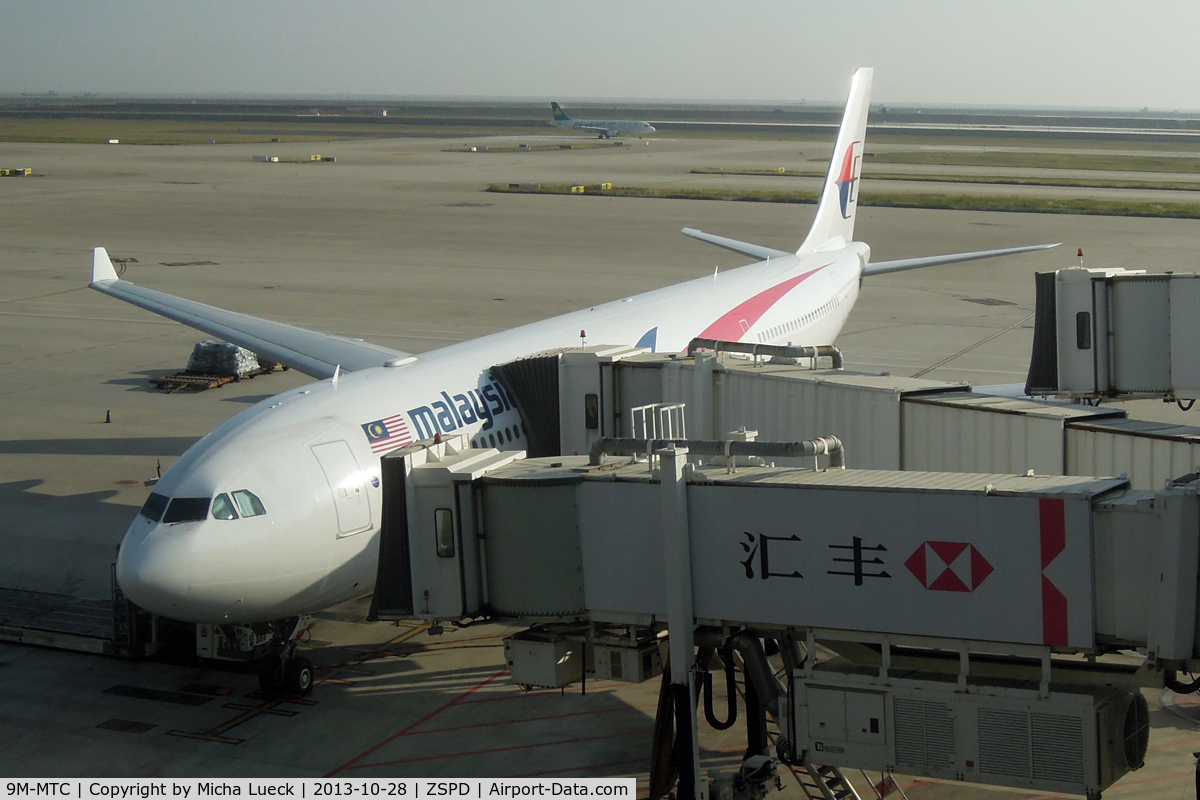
(281, 674)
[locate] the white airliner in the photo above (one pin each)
(276, 512)
(604, 128)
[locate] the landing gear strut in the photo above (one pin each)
(286, 674)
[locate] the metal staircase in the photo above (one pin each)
(825, 783)
(830, 783)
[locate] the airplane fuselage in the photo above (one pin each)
(605, 128)
(310, 456)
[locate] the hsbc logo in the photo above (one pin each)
(949, 566)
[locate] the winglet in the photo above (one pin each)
(102, 268)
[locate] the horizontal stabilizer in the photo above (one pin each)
(745, 248)
(883, 267)
(313, 353)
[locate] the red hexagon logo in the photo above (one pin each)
(949, 566)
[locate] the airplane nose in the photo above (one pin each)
(154, 569)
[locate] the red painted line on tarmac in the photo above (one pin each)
(592, 686)
(490, 750)
(351, 764)
(1178, 743)
(523, 720)
(1054, 796)
(637, 762)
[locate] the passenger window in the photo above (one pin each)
(248, 503)
(187, 509)
(508, 434)
(491, 440)
(223, 508)
(154, 507)
(443, 527)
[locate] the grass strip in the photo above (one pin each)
(1041, 160)
(1026, 205)
(93, 130)
(990, 180)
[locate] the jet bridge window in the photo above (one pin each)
(154, 507)
(187, 509)
(222, 508)
(1083, 330)
(248, 503)
(443, 528)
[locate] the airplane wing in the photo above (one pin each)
(883, 267)
(310, 352)
(745, 248)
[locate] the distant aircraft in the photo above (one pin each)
(276, 513)
(605, 128)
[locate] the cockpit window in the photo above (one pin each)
(223, 508)
(187, 509)
(248, 503)
(155, 505)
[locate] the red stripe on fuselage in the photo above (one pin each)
(729, 327)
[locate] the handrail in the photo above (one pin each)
(781, 350)
(825, 445)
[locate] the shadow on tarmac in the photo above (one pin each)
(125, 446)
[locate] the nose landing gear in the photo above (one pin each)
(286, 674)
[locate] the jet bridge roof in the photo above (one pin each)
(575, 469)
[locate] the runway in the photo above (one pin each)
(397, 243)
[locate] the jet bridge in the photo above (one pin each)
(1116, 333)
(974, 617)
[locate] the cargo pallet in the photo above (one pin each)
(201, 380)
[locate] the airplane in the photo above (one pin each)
(605, 128)
(275, 514)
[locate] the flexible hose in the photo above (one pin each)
(1172, 682)
(730, 688)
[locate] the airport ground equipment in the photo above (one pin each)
(112, 626)
(975, 627)
(1117, 333)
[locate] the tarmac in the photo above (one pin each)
(396, 242)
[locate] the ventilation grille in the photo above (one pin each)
(924, 735)
(1057, 748)
(1004, 743)
(909, 720)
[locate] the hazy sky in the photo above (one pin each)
(1015, 52)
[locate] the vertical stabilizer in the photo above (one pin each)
(559, 114)
(834, 223)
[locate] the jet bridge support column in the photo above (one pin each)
(677, 559)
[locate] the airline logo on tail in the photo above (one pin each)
(559, 114)
(849, 177)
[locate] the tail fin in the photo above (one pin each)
(834, 223)
(559, 114)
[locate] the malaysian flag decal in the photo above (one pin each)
(387, 433)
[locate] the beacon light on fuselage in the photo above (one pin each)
(275, 513)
